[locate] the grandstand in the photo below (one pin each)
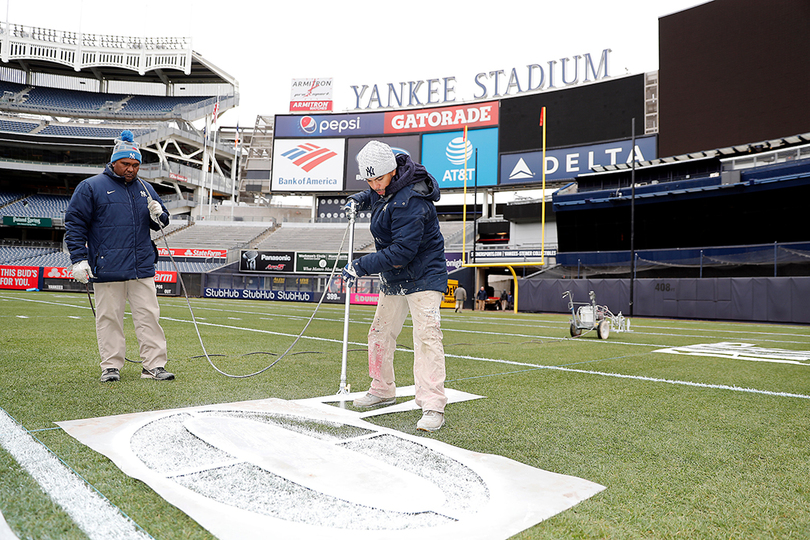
(56, 87)
(50, 206)
(32, 256)
(216, 235)
(21, 98)
(63, 101)
(316, 237)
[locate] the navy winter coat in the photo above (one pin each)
(410, 247)
(107, 224)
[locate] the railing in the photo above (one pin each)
(185, 174)
(82, 51)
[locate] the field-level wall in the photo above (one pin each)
(761, 299)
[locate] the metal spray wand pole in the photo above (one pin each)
(343, 386)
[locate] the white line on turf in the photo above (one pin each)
(536, 366)
(709, 334)
(93, 514)
(525, 364)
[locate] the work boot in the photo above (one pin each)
(430, 421)
(110, 374)
(370, 400)
(158, 373)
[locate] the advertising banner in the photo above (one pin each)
(408, 144)
(166, 283)
(444, 154)
(251, 260)
(328, 125)
(204, 253)
(304, 166)
(27, 221)
(57, 272)
(19, 277)
(513, 255)
(474, 115)
(254, 294)
(330, 298)
(364, 299)
(318, 263)
(453, 260)
(562, 163)
(449, 298)
(56, 278)
(311, 95)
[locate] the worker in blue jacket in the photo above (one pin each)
(108, 224)
(413, 273)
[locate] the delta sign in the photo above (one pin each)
(564, 163)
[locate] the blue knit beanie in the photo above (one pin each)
(126, 147)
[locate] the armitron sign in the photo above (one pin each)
(311, 95)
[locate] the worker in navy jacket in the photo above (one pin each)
(108, 224)
(413, 273)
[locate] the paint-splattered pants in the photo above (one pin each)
(111, 299)
(428, 350)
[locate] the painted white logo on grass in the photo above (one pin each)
(743, 351)
(316, 471)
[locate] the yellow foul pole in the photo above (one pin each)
(464, 205)
(543, 204)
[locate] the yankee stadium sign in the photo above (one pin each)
(488, 85)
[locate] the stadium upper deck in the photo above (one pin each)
(64, 97)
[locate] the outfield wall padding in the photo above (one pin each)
(776, 299)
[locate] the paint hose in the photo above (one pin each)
(194, 319)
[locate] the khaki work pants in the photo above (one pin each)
(111, 301)
(428, 350)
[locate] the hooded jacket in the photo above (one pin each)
(410, 246)
(107, 224)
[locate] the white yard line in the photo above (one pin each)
(525, 364)
(94, 515)
(509, 362)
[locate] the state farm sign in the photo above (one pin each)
(194, 252)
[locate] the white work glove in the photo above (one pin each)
(351, 205)
(155, 211)
(349, 274)
(81, 272)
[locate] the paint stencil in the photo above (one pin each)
(307, 469)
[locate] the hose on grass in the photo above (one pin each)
(197, 328)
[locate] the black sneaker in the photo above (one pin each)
(159, 374)
(110, 374)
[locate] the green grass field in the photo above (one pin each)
(688, 446)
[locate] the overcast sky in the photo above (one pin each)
(264, 45)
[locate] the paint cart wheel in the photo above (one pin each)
(603, 329)
(575, 330)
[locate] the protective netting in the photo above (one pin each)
(729, 258)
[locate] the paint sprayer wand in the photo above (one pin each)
(344, 389)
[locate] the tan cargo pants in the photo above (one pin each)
(428, 350)
(111, 301)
